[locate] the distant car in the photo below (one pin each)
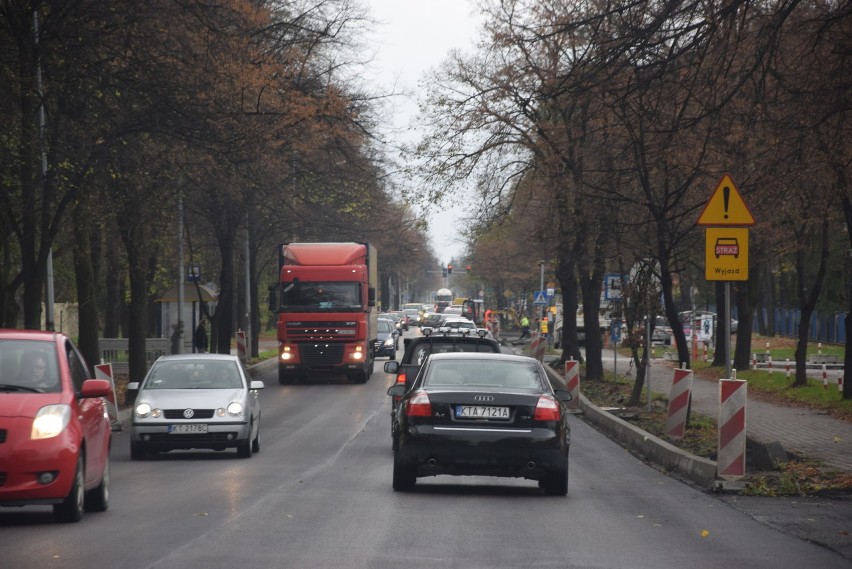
(401, 320)
(483, 415)
(418, 349)
(431, 320)
(386, 344)
(195, 401)
(435, 341)
(413, 316)
(453, 310)
(54, 427)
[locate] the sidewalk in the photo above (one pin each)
(809, 433)
(805, 432)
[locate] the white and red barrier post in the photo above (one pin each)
(824, 377)
(840, 382)
(241, 346)
(104, 371)
(572, 382)
(537, 345)
(731, 451)
(679, 403)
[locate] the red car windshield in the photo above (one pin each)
(29, 365)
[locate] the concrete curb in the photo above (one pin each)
(700, 471)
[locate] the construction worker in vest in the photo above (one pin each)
(488, 319)
(525, 327)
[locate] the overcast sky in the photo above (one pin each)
(414, 36)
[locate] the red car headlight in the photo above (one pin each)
(50, 421)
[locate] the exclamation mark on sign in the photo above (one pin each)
(726, 196)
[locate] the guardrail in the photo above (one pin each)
(115, 351)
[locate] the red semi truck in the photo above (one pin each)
(325, 299)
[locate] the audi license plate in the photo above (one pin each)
(481, 412)
(190, 428)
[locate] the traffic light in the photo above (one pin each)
(450, 269)
(467, 267)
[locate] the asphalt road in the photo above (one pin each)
(319, 495)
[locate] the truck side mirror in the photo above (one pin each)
(371, 296)
(273, 298)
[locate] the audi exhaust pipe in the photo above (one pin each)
(531, 465)
(432, 463)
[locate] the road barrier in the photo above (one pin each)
(572, 382)
(537, 345)
(731, 448)
(104, 371)
(679, 403)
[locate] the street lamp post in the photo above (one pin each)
(541, 287)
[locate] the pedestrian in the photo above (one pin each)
(525, 327)
(199, 339)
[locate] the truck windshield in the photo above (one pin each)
(321, 297)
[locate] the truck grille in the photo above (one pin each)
(302, 330)
(329, 354)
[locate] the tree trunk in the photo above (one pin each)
(641, 366)
(223, 330)
(671, 312)
(135, 246)
(86, 280)
(567, 277)
(114, 296)
(807, 301)
(591, 290)
(255, 300)
(746, 300)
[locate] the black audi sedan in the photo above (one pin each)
(481, 414)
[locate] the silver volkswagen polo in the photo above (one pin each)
(192, 401)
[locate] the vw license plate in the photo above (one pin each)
(188, 428)
(481, 412)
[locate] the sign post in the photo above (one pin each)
(726, 246)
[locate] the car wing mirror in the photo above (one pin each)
(563, 394)
(396, 390)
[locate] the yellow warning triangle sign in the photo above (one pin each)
(726, 206)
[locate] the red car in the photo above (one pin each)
(55, 432)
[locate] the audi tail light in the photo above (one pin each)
(418, 405)
(547, 409)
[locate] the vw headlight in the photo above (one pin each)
(235, 409)
(389, 342)
(50, 421)
(143, 410)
